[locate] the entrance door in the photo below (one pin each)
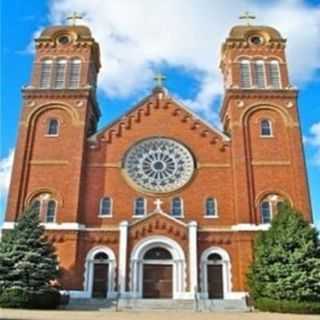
(157, 281)
(215, 282)
(100, 280)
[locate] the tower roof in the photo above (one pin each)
(83, 32)
(242, 31)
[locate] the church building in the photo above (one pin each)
(159, 203)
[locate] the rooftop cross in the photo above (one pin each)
(248, 17)
(159, 78)
(158, 204)
(73, 18)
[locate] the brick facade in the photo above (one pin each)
(239, 168)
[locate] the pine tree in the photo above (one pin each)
(27, 259)
(287, 260)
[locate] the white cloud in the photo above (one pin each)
(314, 140)
(137, 37)
(5, 174)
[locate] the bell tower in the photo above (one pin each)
(59, 112)
(260, 114)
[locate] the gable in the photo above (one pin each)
(147, 107)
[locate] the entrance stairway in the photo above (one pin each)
(201, 305)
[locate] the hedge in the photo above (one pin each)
(18, 298)
(285, 306)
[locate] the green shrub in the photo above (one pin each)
(18, 298)
(14, 298)
(49, 299)
(285, 306)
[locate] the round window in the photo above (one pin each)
(64, 39)
(256, 40)
(159, 165)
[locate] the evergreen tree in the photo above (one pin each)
(27, 259)
(286, 265)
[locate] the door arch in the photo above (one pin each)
(144, 254)
(100, 273)
(215, 273)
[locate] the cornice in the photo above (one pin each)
(262, 94)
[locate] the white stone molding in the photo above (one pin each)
(51, 226)
(193, 257)
(251, 227)
(88, 273)
(226, 272)
(123, 256)
(178, 262)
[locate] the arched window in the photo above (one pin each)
(177, 207)
(45, 74)
(211, 209)
(74, 73)
(60, 74)
(101, 256)
(53, 127)
(215, 257)
(105, 207)
(157, 254)
(259, 74)
(245, 76)
(46, 207)
(140, 207)
(269, 206)
(266, 128)
(51, 211)
(274, 74)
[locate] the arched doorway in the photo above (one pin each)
(215, 274)
(157, 269)
(157, 273)
(100, 273)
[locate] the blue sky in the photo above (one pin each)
(183, 41)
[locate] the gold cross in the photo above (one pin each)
(74, 17)
(159, 78)
(247, 16)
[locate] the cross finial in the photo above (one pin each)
(248, 17)
(158, 204)
(159, 78)
(74, 17)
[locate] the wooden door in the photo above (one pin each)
(215, 281)
(157, 281)
(100, 280)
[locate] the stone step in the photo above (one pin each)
(222, 305)
(92, 304)
(155, 304)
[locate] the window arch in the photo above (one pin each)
(74, 73)
(274, 74)
(266, 128)
(269, 206)
(53, 127)
(60, 74)
(105, 207)
(46, 207)
(45, 73)
(211, 207)
(177, 207)
(140, 207)
(245, 74)
(259, 74)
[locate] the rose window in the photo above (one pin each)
(159, 165)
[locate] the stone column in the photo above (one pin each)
(193, 257)
(122, 269)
